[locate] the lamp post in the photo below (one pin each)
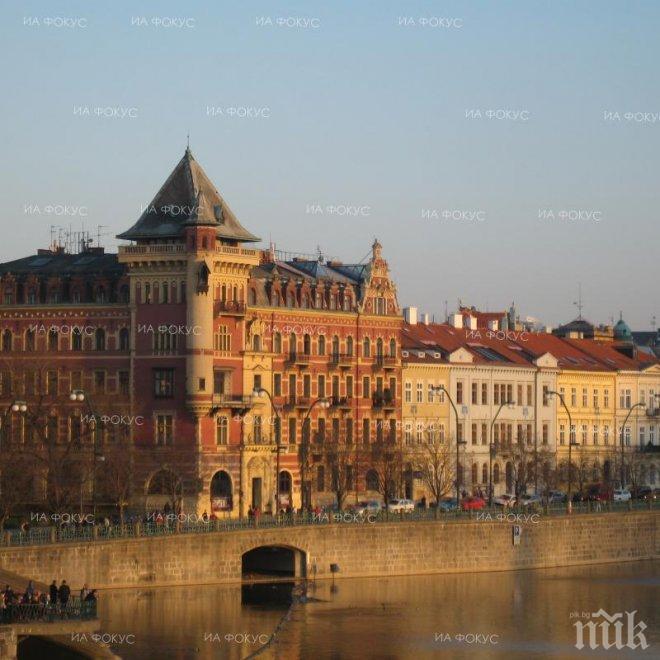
(442, 388)
(80, 396)
(623, 426)
(492, 449)
(16, 406)
(321, 402)
(261, 392)
(569, 502)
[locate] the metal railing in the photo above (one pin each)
(49, 612)
(179, 524)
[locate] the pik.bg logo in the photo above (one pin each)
(609, 631)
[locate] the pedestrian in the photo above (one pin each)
(83, 592)
(64, 593)
(54, 593)
(29, 590)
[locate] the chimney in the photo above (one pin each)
(493, 324)
(410, 315)
(456, 320)
(472, 322)
(425, 319)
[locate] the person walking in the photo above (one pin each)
(64, 594)
(53, 593)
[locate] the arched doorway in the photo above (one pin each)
(221, 492)
(164, 492)
(285, 487)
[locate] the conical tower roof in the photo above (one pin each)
(187, 197)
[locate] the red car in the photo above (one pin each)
(473, 503)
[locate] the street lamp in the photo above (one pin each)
(321, 402)
(80, 396)
(623, 426)
(442, 388)
(492, 449)
(571, 442)
(16, 406)
(261, 392)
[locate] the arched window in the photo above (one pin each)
(99, 339)
(29, 340)
(285, 483)
(335, 346)
(379, 347)
(53, 343)
(292, 345)
(222, 430)
(100, 294)
(277, 343)
(321, 344)
(173, 292)
(496, 473)
(307, 344)
(484, 473)
(349, 346)
(366, 347)
(256, 343)
(372, 480)
(76, 339)
(123, 339)
(166, 292)
(7, 341)
(392, 347)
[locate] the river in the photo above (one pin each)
(523, 614)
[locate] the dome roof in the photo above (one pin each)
(622, 331)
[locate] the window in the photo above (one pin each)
(256, 343)
(546, 434)
(626, 436)
(7, 341)
(459, 392)
(257, 428)
(366, 347)
(595, 436)
(419, 398)
(625, 399)
(408, 392)
(392, 347)
(562, 434)
(99, 339)
(349, 387)
(52, 340)
(123, 382)
(222, 430)
(51, 382)
(164, 430)
(307, 385)
(484, 434)
(520, 395)
(349, 346)
(606, 434)
(76, 339)
(496, 394)
(546, 396)
(164, 342)
(530, 395)
(484, 394)
(407, 434)
(307, 345)
(509, 393)
(277, 342)
(573, 396)
(475, 393)
(366, 434)
(366, 387)
(222, 339)
(163, 382)
(201, 383)
(606, 399)
(123, 339)
(459, 432)
(321, 385)
(99, 382)
(256, 382)
(75, 428)
(596, 399)
(321, 344)
(277, 385)
(29, 340)
(349, 431)
(474, 434)
(292, 430)
(221, 382)
(335, 429)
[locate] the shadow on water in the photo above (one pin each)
(38, 648)
(268, 595)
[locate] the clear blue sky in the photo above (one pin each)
(366, 112)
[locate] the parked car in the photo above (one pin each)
(505, 500)
(556, 496)
(448, 504)
(645, 493)
(622, 495)
(599, 493)
(400, 506)
(531, 501)
(472, 503)
(365, 508)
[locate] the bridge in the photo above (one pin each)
(235, 551)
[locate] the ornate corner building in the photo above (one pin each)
(233, 367)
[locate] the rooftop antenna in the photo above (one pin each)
(188, 141)
(578, 302)
(446, 312)
(653, 323)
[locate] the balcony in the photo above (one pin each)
(233, 401)
(384, 400)
(341, 361)
(386, 362)
(298, 359)
(229, 307)
(342, 402)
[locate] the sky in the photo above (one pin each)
(500, 151)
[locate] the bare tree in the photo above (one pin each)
(386, 462)
(115, 473)
(433, 460)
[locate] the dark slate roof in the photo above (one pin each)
(187, 197)
(313, 270)
(65, 264)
